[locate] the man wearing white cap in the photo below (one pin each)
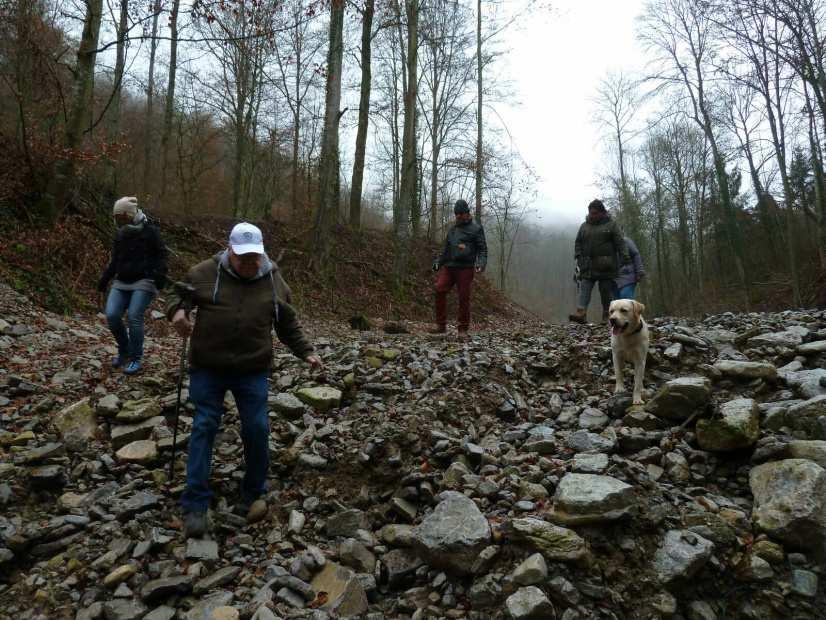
(240, 297)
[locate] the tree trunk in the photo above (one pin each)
(150, 99)
(479, 125)
(170, 92)
(63, 180)
(364, 115)
(328, 189)
(114, 111)
(407, 189)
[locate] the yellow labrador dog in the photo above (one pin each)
(629, 342)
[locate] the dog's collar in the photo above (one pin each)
(639, 329)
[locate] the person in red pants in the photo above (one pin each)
(465, 253)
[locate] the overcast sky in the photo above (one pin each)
(556, 63)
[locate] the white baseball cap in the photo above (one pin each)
(246, 239)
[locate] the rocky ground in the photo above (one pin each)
(426, 477)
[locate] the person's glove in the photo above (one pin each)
(436, 266)
(577, 273)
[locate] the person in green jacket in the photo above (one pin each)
(598, 245)
(240, 297)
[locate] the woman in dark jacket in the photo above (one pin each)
(599, 245)
(138, 265)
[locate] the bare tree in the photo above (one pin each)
(117, 79)
(169, 104)
(364, 113)
(150, 96)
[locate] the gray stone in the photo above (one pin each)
(399, 566)
(204, 608)
(200, 549)
(121, 609)
(789, 339)
(563, 591)
(322, 398)
(737, 427)
(141, 452)
(700, 610)
(108, 406)
(159, 589)
(807, 382)
(790, 502)
(590, 463)
(556, 544)
(47, 477)
(593, 419)
(221, 578)
(404, 509)
(347, 523)
(163, 612)
(583, 441)
(453, 534)
(747, 370)
(529, 603)
(41, 453)
(77, 424)
(679, 398)
(812, 348)
(127, 433)
(681, 555)
(484, 592)
(135, 411)
(804, 416)
(345, 594)
(288, 405)
(296, 522)
(589, 498)
(355, 555)
(135, 504)
(532, 571)
(811, 450)
(674, 351)
(804, 583)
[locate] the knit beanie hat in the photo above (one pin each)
(460, 207)
(127, 205)
(597, 205)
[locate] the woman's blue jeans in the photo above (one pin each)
(207, 389)
(135, 304)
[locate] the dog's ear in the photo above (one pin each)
(638, 309)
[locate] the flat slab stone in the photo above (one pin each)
(681, 555)
(590, 463)
(127, 433)
(812, 348)
(555, 543)
(747, 370)
(321, 398)
(453, 534)
(345, 594)
(199, 549)
(679, 398)
(589, 498)
(142, 452)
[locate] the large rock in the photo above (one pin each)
(127, 433)
(532, 571)
(142, 452)
(205, 606)
(812, 348)
(790, 502)
(811, 450)
(747, 370)
(790, 339)
(347, 523)
(556, 544)
(322, 398)
(123, 609)
(529, 603)
(583, 441)
(737, 427)
(804, 416)
(288, 405)
(134, 411)
(77, 424)
(345, 594)
(681, 555)
(590, 498)
(159, 589)
(453, 534)
(108, 406)
(808, 383)
(679, 398)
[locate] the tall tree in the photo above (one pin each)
(169, 105)
(117, 78)
(364, 113)
(62, 184)
(150, 97)
(328, 176)
(480, 162)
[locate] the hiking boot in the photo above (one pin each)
(132, 367)
(438, 329)
(118, 361)
(578, 316)
(195, 524)
(253, 512)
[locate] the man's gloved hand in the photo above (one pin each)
(577, 273)
(181, 323)
(436, 266)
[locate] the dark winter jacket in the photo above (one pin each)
(598, 244)
(632, 272)
(465, 246)
(235, 318)
(136, 254)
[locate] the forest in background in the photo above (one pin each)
(379, 114)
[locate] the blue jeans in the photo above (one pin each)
(135, 304)
(627, 291)
(206, 390)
